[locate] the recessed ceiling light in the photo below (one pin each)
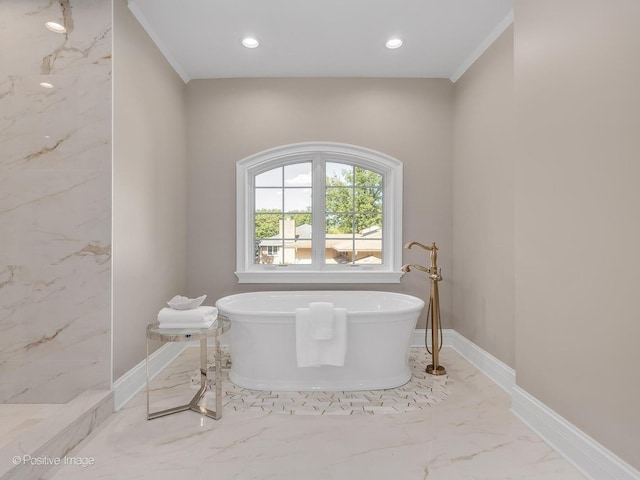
(46, 85)
(250, 42)
(55, 27)
(394, 43)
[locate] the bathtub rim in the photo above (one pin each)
(417, 306)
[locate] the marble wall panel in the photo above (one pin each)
(55, 200)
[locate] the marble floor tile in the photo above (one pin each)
(470, 434)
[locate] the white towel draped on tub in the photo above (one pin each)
(321, 319)
(321, 335)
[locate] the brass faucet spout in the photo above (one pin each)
(426, 247)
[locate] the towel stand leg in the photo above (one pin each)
(194, 404)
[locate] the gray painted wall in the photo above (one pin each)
(483, 221)
(577, 228)
(149, 161)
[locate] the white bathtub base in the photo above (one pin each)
(333, 385)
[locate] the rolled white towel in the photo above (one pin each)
(195, 315)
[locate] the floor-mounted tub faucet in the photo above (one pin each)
(433, 313)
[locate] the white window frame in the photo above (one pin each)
(318, 272)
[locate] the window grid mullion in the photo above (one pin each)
(282, 216)
(353, 215)
(318, 214)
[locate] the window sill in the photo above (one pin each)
(362, 276)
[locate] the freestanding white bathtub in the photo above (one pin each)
(263, 340)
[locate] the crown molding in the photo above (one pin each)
(484, 45)
(159, 43)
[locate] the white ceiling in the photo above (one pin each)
(322, 38)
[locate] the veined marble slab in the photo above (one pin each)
(55, 200)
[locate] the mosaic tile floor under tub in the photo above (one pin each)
(422, 391)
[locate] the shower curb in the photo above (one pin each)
(35, 453)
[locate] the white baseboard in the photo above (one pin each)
(587, 455)
(503, 375)
(417, 338)
(129, 384)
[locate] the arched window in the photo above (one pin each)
(319, 213)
